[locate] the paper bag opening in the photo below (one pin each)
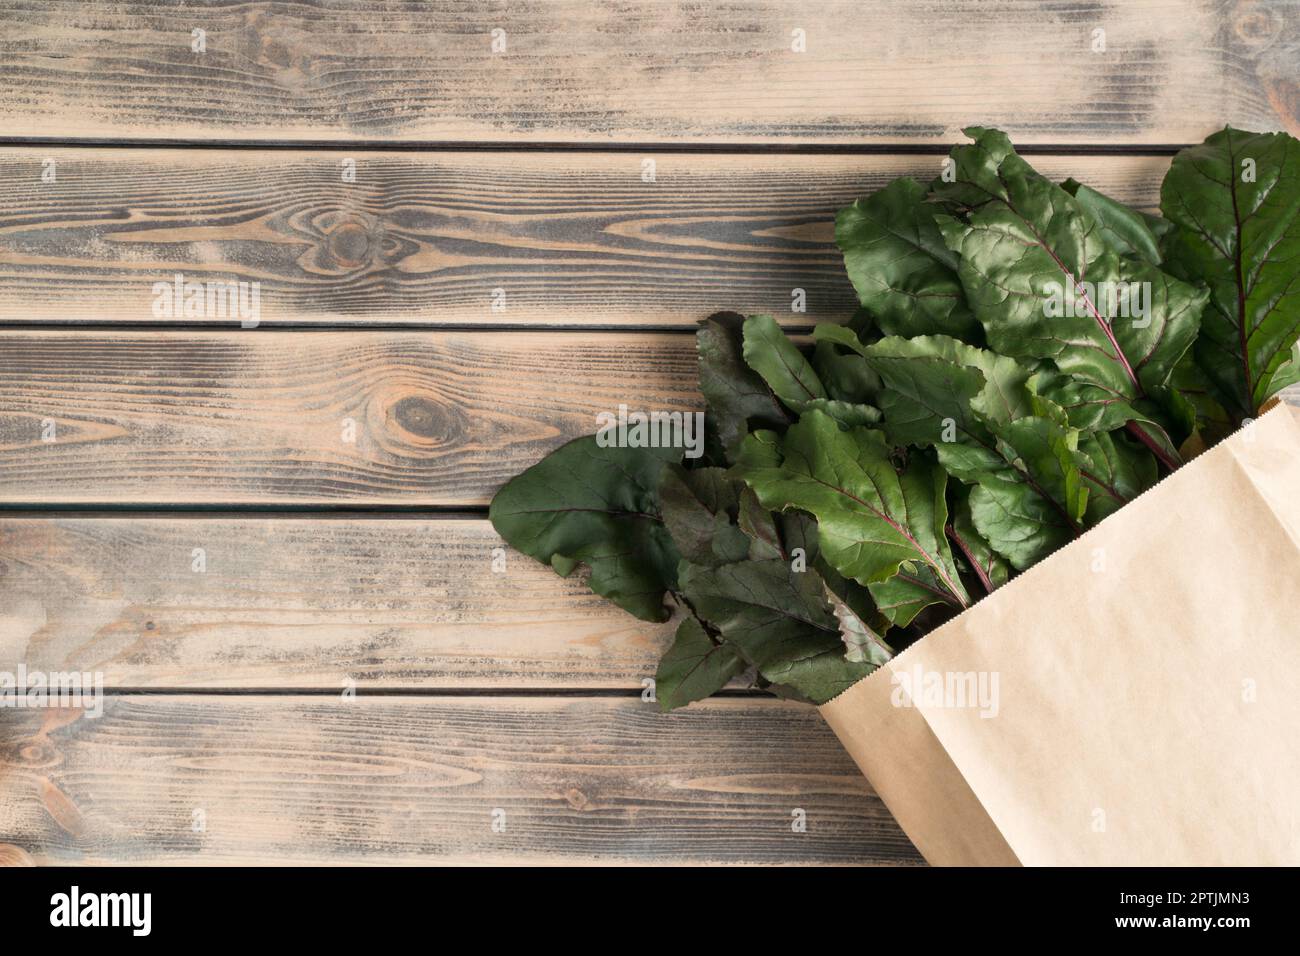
(1145, 680)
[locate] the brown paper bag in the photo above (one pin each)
(1132, 700)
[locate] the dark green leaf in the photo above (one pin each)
(896, 259)
(782, 366)
(1125, 230)
(758, 524)
(1044, 284)
(985, 563)
(584, 504)
(737, 396)
(863, 643)
(1236, 201)
(870, 519)
(791, 376)
(758, 449)
(694, 667)
(845, 375)
(698, 507)
(1117, 471)
(779, 620)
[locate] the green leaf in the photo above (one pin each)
(1033, 506)
(1044, 285)
(976, 173)
(1288, 373)
(940, 389)
(870, 519)
(758, 525)
(863, 325)
(841, 335)
(1117, 471)
(778, 619)
(845, 375)
(697, 507)
(1125, 230)
(737, 396)
(847, 414)
(583, 504)
(990, 428)
(1192, 395)
(896, 259)
(791, 376)
(694, 667)
(782, 366)
(799, 531)
(862, 643)
(985, 563)
(909, 592)
(1236, 202)
(758, 449)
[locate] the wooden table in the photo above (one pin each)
(473, 228)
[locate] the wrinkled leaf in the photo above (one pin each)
(779, 620)
(989, 428)
(694, 667)
(737, 396)
(1236, 202)
(584, 504)
(697, 508)
(870, 519)
(912, 590)
(862, 643)
(1035, 502)
(1025, 251)
(1125, 230)
(903, 272)
(1117, 471)
(991, 568)
(941, 390)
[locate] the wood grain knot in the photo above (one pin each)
(36, 754)
(347, 241)
(423, 418)
(576, 798)
(349, 244)
(1256, 25)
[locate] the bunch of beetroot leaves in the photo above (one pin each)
(1028, 357)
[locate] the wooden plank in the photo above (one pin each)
(417, 780)
(293, 602)
(566, 238)
(648, 70)
(262, 417)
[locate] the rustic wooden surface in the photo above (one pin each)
(416, 779)
(648, 70)
(569, 238)
(519, 171)
(260, 417)
(386, 601)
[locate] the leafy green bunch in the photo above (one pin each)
(1028, 358)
